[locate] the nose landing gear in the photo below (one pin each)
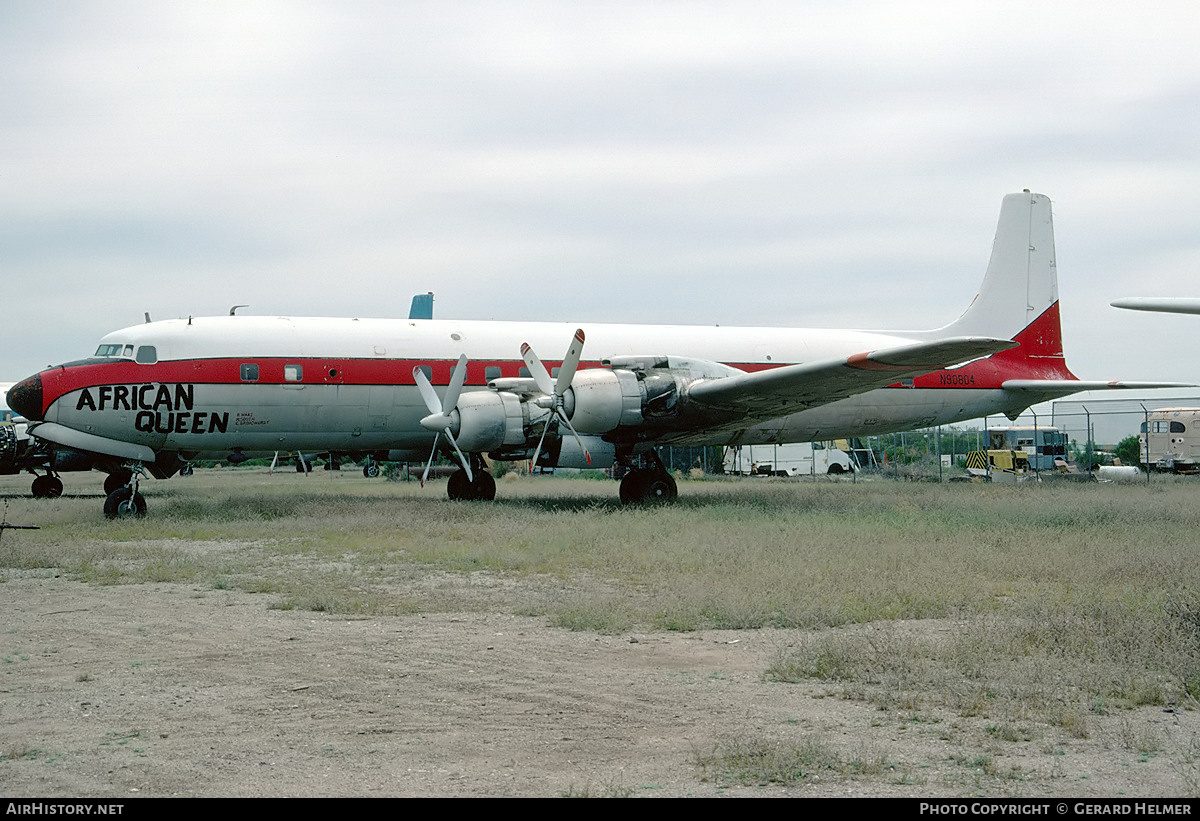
(123, 500)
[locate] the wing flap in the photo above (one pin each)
(791, 388)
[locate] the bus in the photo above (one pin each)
(1172, 447)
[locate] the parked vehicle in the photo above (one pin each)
(794, 459)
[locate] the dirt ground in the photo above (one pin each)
(161, 690)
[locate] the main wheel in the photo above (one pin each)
(459, 487)
(371, 470)
(631, 486)
(484, 486)
(660, 488)
(47, 487)
(124, 503)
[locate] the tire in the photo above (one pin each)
(481, 489)
(660, 488)
(114, 481)
(124, 503)
(484, 486)
(459, 487)
(371, 471)
(631, 487)
(47, 487)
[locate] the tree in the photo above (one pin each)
(1129, 450)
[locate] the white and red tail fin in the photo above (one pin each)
(1018, 300)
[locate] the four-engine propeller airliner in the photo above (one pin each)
(156, 395)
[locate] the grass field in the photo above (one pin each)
(1052, 603)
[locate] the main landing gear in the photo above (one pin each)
(480, 487)
(123, 500)
(648, 481)
(48, 486)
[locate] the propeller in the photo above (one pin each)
(439, 419)
(555, 389)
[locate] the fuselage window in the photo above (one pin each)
(146, 354)
(293, 373)
(249, 372)
(491, 372)
(428, 371)
(523, 372)
(1177, 427)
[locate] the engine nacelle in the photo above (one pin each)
(487, 421)
(13, 444)
(601, 400)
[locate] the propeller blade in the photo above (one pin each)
(556, 389)
(537, 451)
(457, 377)
(570, 364)
(586, 454)
(537, 370)
(429, 464)
(462, 460)
(439, 412)
(428, 394)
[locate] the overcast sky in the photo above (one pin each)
(795, 163)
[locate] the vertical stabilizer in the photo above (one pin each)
(1021, 283)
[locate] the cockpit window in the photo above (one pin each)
(114, 350)
(147, 354)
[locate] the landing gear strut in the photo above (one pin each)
(482, 487)
(648, 481)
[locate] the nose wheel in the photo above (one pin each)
(124, 503)
(123, 500)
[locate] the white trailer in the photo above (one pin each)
(793, 459)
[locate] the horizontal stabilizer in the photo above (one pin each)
(768, 394)
(89, 442)
(1066, 387)
(1170, 305)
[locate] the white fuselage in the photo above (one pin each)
(263, 384)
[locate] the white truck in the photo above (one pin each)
(793, 459)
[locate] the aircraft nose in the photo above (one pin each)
(25, 398)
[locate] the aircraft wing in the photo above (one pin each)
(780, 391)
